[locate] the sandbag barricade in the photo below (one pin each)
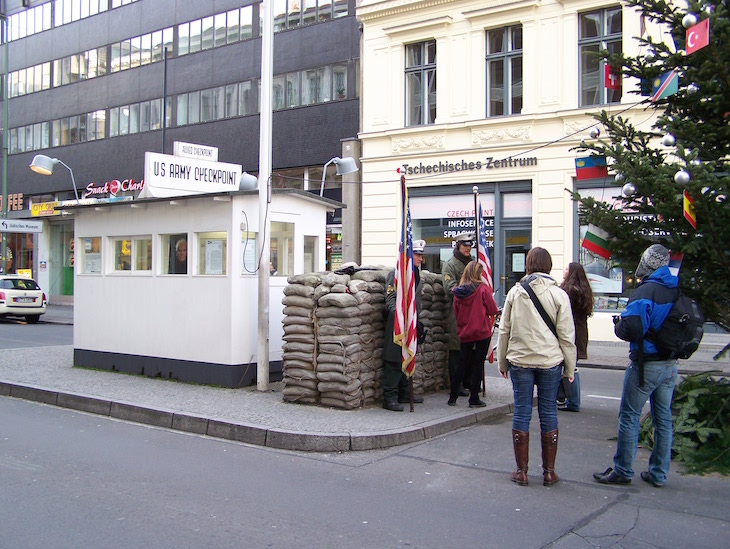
(333, 338)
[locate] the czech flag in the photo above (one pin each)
(590, 167)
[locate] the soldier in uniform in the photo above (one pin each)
(396, 388)
(452, 271)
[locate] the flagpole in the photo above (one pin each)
(477, 233)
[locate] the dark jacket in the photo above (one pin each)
(648, 307)
(473, 304)
(580, 320)
(391, 350)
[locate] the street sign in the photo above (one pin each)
(20, 226)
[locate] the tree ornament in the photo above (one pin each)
(619, 177)
(668, 140)
(628, 190)
(692, 89)
(594, 133)
(681, 177)
(689, 20)
(650, 56)
(708, 9)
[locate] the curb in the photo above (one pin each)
(250, 433)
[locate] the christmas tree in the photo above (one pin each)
(674, 175)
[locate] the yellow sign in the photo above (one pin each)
(43, 209)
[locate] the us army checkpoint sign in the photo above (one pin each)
(167, 176)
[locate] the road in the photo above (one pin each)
(69, 479)
(16, 334)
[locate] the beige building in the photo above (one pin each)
(495, 94)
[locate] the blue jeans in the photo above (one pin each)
(572, 403)
(659, 380)
(547, 381)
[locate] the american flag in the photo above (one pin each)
(404, 327)
(483, 252)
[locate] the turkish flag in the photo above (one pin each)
(698, 36)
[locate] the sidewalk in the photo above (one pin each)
(247, 415)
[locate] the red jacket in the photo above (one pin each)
(472, 307)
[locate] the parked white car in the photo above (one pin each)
(21, 296)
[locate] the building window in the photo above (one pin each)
(611, 287)
(142, 250)
(90, 255)
(282, 248)
(175, 248)
(212, 253)
(599, 30)
(504, 71)
(421, 83)
(311, 251)
(123, 255)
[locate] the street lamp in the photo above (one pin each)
(43, 165)
(344, 166)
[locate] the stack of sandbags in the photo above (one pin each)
(338, 323)
(432, 356)
(300, 379)
(368, 288)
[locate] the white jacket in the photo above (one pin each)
(525, 339)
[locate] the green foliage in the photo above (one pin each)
(701, 418)
(700, 123)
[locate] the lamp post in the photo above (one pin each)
(344, 166)
(6, 134)
(43, 165)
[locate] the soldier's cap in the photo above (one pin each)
(465, 237)
(418, 246)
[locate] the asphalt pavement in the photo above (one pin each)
(247, 415)
(688, 511)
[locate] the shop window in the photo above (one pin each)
(175, 251)
(122, 255)
(610, 286)
(90, 260)
(212, 253)
(282, 248)
(420, 83)
(311, 250)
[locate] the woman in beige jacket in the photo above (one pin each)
(535, 356)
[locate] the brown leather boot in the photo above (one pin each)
(549, 450)
(521, 444)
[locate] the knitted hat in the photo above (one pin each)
(654, 256)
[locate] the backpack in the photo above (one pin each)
(680, 334)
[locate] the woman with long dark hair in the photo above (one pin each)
(473, 307)
(536, 351)
(576, 285)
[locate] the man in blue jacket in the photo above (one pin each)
(651, 374)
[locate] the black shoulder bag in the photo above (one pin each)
(564, 382)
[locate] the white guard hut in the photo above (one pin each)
(168, 286)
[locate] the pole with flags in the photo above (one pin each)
(483, 259)
(404, 327)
